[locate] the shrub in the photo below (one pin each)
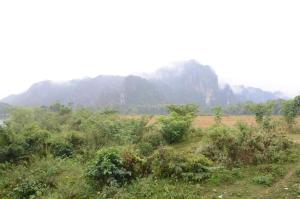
(261, 111)
(290, 110)
(75, 139)
(166, 163)
(297, 172)
(263, 180)
(33, 179)
(26, 190)
(178, 123)
(183, 110)
(35, 141)
(174, 127)
(218, 115)
(110, 168)
(246, 145)
(145, 148)
(22, 145)
(61, 149)
(11, 153)
(154, 138)
(224, 176)
(11, 147)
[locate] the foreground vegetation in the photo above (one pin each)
(56, 152)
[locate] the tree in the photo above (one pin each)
(218, 112)
(290, 110)
(178, 123)
(184, 110)
(262, 111)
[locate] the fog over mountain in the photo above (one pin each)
(185, 82)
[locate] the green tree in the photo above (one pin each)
(184, 110)
(262, 111)
(218, 113)
(290, 110)
(178, 123)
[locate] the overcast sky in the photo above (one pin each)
(255, 43)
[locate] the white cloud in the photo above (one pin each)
(256, 43)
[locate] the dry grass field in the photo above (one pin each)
(207, 121)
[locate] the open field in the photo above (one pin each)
(207, 121)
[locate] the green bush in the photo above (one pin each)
(174, 127)
(109, 168)
(35, 141)
(154, 138)
(263, 180)
(11, 147)
(272, 169)
(61, 149)
(166, 163)
(246, 145)
(145, 148)
(150, 142)
(11, 153)
(178, 123)
(297, 172)
(75, 139)
(222, 175)
(34, 179)
(26, 190)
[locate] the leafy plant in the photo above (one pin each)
(266, 180)
(177, 123)
(109, 168)
(189, 167)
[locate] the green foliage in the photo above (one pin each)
(110, 168)
(145, 148)
(261, 111)
(183, 110)
(177, 123)
(222, 175)
(297, 172)
(246, 145)
(266, 180)
(290, 110)
(174, 127)
(271, 169)
(61, 149)
(218, 115)
(149, 142)
(20, 119)
(14, 148)
(166, 163)
(26, 189)
(4, 110)
(75, 139)
(58, 152)
(153, 138)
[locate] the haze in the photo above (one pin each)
(254, 43)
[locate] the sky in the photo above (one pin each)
(254, 43)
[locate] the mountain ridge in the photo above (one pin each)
(185, 82)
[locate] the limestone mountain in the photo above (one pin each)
(185, 82)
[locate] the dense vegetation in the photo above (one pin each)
(57, 152)
(4, 110)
